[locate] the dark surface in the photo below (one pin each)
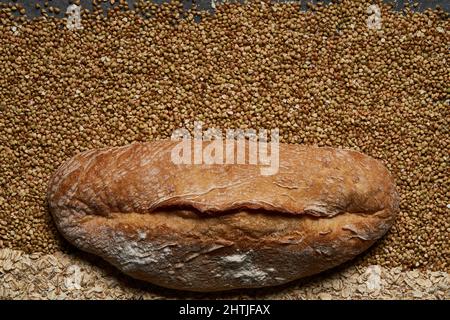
(32, 11)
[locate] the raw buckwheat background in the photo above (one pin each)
(321, 76)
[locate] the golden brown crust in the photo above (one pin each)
(218, 227)
(141, 178)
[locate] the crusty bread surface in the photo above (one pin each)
(217, 227)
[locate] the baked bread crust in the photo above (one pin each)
(218, 227)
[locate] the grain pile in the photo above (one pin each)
(62, 276)
(322, 77)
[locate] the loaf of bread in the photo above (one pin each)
(211, 227)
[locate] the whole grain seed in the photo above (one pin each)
(322, 77)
